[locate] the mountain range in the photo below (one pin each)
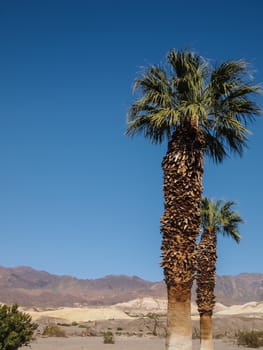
(29, 287)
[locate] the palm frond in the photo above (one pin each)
(226, 77)
(220, 217)
(215, 148)
(154, 126)
(224, 135)
(188, 91)
(189, 74)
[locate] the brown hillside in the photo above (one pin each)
(30, 287)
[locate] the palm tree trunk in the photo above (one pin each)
(183, 170)
(179, 325)
(206, 331)
(205, 278)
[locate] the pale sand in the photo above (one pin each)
(117, 311)
(81, 314)
(122, 343)
(250, 308)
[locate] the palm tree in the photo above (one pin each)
(199, 110)
(216, 217)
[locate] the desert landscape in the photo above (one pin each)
(84, 327)
(132, 309)
(137, 324)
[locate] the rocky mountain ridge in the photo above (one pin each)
(29, 287)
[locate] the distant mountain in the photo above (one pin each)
(239, 289)
(29, 287)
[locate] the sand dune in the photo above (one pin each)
(139, 306)
(81, 314)
(248, 308)
(145, 305)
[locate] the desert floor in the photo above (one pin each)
(121, 343)
(227, 321)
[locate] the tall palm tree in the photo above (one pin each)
(216, 217)
(199, 110)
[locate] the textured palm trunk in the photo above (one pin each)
(206, 331)
(183, 170)
(205, 278)
(179, 325)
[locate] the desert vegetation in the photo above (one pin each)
(16, 328)
(250, 339)
(53, 330)
(108, 338)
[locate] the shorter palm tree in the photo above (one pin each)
(216, 217)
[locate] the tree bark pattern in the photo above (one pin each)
(180, 223)
(206, 272)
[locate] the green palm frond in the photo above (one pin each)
(224, 134)
(188, 64)
(215, 149)
(220, 217)
(155, 87)
(149, 129)
(189, 91)
(228, 76)
(230, 90)
(190, 71)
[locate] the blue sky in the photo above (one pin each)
(77, 196)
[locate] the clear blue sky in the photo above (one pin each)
(78, 197)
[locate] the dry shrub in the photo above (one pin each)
(108, 338)
(53, 330)
(250, 339)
